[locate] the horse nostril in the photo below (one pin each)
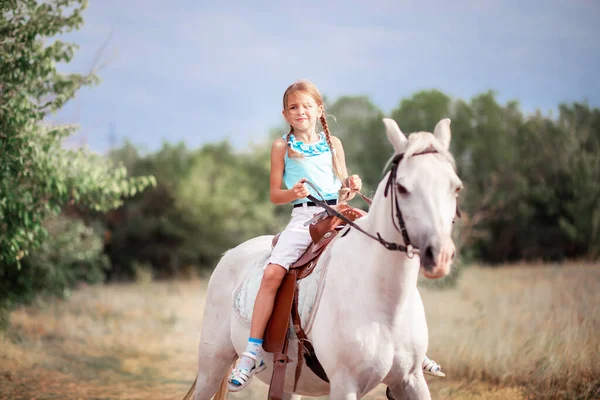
(429, 253)
(429, 256)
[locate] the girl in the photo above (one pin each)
(301, 155)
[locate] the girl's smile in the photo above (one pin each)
(302, 112)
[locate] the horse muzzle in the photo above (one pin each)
(436, 260)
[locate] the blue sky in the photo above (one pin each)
(199, 71)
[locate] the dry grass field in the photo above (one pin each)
(506, 333)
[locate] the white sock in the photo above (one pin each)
(254, 347)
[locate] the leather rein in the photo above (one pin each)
(400, 226)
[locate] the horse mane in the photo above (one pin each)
(418, 142)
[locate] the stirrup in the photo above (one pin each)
(433, 368)
(240, 378)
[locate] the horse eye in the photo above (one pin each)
(401, 189)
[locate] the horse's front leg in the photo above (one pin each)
(342, 389)
(414, 387)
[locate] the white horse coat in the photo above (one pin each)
(370, 325)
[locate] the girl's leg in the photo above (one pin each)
(293, 242)
(251, 359)
(265, 298)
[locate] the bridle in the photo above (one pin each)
(399, 223)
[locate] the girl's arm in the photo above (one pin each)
(353, 181)
(339, 152)
(277, 194)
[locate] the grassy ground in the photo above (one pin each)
(507, 333)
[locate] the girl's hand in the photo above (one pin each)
(354, 183)
(299, 190)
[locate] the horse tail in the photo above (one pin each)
(223, 390)
(190, 392)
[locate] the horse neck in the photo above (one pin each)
(390, 273)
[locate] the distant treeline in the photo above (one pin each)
(532, 185)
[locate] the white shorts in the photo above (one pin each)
(295, 238)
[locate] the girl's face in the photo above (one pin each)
(302, 112)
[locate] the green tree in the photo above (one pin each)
(581, 221)
(559, 185)
(358, 123)
(37, 175)
(226, 198)
(206, 201)
(73, 253)
(149, 229)
(422, 111)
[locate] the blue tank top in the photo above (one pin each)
(315, 165)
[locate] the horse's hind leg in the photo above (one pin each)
(216, 353)
(214, 364)
(412, 388)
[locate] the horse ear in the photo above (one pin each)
(394, 134)
(442, 132)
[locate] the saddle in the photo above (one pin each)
(323, 229)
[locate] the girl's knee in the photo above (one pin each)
(273, 275)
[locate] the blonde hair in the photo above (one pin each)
(310, 89)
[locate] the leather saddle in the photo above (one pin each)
(323, 228)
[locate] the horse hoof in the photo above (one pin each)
(388, 394)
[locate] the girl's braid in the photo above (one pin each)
(291, 152)
(336, 167)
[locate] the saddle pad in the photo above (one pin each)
(309, 290)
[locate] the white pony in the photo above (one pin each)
(370, 325)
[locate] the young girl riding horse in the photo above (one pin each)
(301, 155)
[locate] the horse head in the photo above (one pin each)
(417, 202)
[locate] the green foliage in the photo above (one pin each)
(73, 252)
(422, 111)
(37, 175)
(206, 201)
(149, 229)
(532, 183)
(357, 122)
(560, 183)
(226, 198)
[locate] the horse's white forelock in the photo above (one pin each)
(420, 141)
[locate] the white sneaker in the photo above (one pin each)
(240, 378)
(430, 367)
